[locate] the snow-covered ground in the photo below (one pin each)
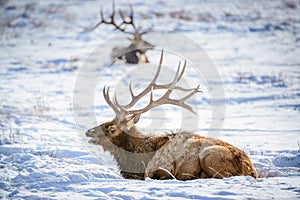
(254, 45)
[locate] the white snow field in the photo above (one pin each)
(254, 45)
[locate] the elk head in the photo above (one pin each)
(135, 52)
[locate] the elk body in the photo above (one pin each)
(183, 155)
(135, 53)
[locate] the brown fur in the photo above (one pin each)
(184, 155)
(131, 150)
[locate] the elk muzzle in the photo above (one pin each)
(91, 132)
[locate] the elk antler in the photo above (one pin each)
(123, 110)
(123, 25)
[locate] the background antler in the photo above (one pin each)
(123, 25)
(123, 110)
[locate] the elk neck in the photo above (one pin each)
(133, 140)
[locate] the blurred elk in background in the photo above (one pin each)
(183, 155)
(135, 52)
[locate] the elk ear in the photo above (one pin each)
(136, 118)
(132, 119)
(128, 122)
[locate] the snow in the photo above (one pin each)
(45, 46)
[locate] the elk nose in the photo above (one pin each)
(90, 133)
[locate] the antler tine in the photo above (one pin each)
(122, 16)
(101, 21)
(176, 77)
(136, 98)
(130, 90)
(131, 16)
(195, 90)
(182, 100)
(182, 71)
(159, 66)
(166, 86)
(145, 31)
(118, 105)
(112, 16)
(108, 101)
(172, 85)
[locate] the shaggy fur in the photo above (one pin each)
(183, 155)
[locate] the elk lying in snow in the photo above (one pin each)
(183, 155)
(135, 52)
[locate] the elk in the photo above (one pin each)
(135, 53)
(183, 155)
